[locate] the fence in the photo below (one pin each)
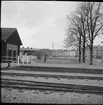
(19, 59)
(7, 58)
(24, 59)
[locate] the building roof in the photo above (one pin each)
(29, 49)
(6, 32)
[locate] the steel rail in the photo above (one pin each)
(50, 86)
(52, 76)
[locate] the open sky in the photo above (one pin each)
(39, 23)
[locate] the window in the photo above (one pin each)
(14, 55)
(11, 51)
(9, 54)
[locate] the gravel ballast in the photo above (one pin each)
(9, 95)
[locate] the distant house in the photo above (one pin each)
(71, 52)
(97, 52)
(63, 53)
(10, 44)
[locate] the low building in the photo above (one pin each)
(97, 52)
(63, 53)
(71, 53)
(10, 44)
(28, 51)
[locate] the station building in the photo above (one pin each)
(10, 44)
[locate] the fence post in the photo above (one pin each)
(30, 59)
(27, 59)
(23, 59)
(8, 64)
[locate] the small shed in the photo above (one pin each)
(10, 44)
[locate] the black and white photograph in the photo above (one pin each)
(52, 52)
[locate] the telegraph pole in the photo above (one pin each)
(53, 45)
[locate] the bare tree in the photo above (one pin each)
(80, 16)
(74, 35)
(90, 16)
(87, 20)
(94, 21)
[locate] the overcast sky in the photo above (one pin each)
(39, 23)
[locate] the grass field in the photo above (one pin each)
(66, 60)
(61, 61)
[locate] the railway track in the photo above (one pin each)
(52, 86)
(57, 69)
(52, 76)
(24, 84)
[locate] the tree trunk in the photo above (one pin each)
(91, 54)
(79, 55)
(83, 59)
(80, 49)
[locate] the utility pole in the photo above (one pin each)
(53, 45)
(53, 48)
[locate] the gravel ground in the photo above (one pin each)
(9, 95)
